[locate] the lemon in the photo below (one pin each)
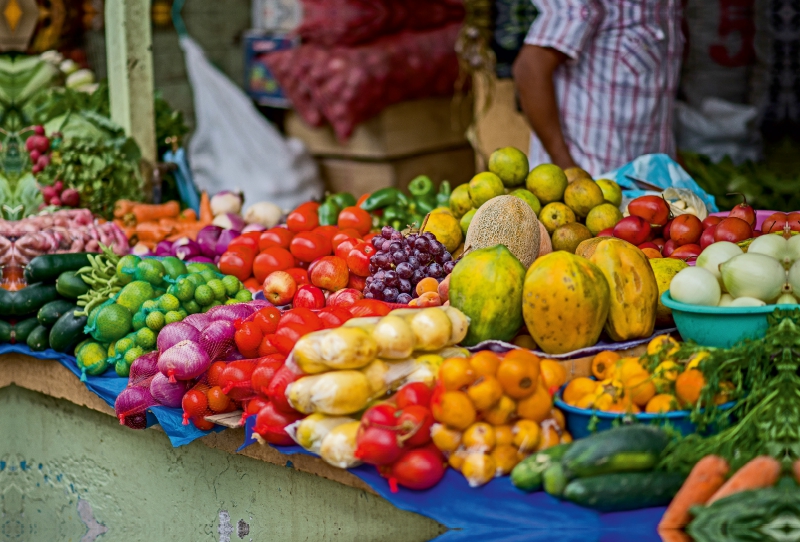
(582, 196)
(466, 220)
(483, 187)
(602, 217)
(547, 182)
(611, 191)
(554, 215)
(569, 236)
(510, 164)
(459, 201)
(446, 229)
(528, 197)
(575, 173)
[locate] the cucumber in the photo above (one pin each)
(37, 340)
(70, 285)
(527, 475)
(48, 267)
(621, 449)
(23, 329)
(50, 313)
(6, 300)
(67, 332)
(6, 332)
(30, 299)
(624, 491)
(554, 480)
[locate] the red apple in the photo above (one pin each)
(649, 244)
(652, 208)
(794, 221)
(609, 232)
(299, 275)
(356, 282)
(329, 273)
(734, 230)
(685, 230)
(686, 253)
(744, 211)
(669, 248)
(344, 298)
(774, 222)
(659, 242)
(344, 248)
(633, 229)
(711, 221)
(309, 297)
(279, 288)
(666, 230)
(708, 236)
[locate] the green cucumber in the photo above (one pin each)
(621, 449)
(6, 332)
(70, 285)
(624, 491)
(51, 312)
(30, 299)
(22, 329)
(527, 475)
(67, 332)
(48, 267)
(554, 480)
(37, 340)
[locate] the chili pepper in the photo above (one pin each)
(394, 212)
(343, 199)
(328, 213)
(443, 197)
(425, 205)
(422, 187)
(416, 220)
(383, 198)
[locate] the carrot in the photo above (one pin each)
(796, 471)
(150, 231)
(147, 212)
(761, 472)
(123, 207)
(707, 476)
(206, 216)
(188, 215)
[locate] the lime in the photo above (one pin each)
(183, 313)
(173, 316)
(243, 296)
(232, 301)
(168, 302)
(138, 321)
(232, 285)
(135, 294)
(183, 289)
(547, 182)
(459, 201)
(122, 368)
(510, 164)
(204, 295)
(159, 292)
(196, 279)
(528, 197)
(208, 275)
(133, 354)
(569, 236)
(150, 305)
(466, 220)
(611, 191)
(150, 270)
(174, 267)
(192, 307)
(91, 358)
(113, 322)
(218, 288)
(123, 345)
(126, 268)
(603, 217)
(146, 338)
(483, 187)
(155, 321)
(582, 196)
(199, 267)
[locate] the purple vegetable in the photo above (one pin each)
(131, 407)
(198, 321)
(184, 361)
(167, 393)
(225, 239)
(141, 250)
(217, 339)
(207, 239)
(174, 333)
(234, 355)
(229, 221)
(239, 311)
(164, 248)
(184, 248)
(143, 367)
(200, 259)
(254, 227)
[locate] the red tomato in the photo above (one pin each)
(416, 469)
(368, 237)
(327, 231)
(299, 275)
(253, 406)
(265, 371)
(287, 336)
(332, 317)
(267, 319)
(248, 338)
(415, 393)
(271, 259)
(276, 237)
(344, 248)
(271, 425)
(362, 199)
(377, 446)
(217, 400)
(244, 245)
(308, 246)
(304, 218)
(358, 258)
(235, 263)
(384, 414)
(267, 346)
(252, 284)
(235, 379)
(342, 235)
(203, 425)
(415, 423)
(356, 218)
(277, 388)
(369, 307)
(356, 282)
(302, 316)
(214, 372)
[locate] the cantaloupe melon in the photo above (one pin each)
(545, 243)
(508, 221)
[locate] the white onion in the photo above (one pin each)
(771, 245)
(695, 286)
(794, 277)
(747, 302)
(786, 299)
(793, 248)
(725, 300)
(753, 275)
(716, 254)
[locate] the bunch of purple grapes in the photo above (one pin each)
(399, 263)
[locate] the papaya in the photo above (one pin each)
(565, 302)
(586, 248)
(634, 290)
(486, 285)
(665, 269)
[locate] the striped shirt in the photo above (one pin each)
(616, 92)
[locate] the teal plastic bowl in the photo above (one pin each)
(721, 327)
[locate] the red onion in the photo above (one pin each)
(198, 321)
(184, 361)
(200, 259)
(131, 407)
(167, 393)
(141, 250)
(224, 240)
(254, 227)
(238, 311)
(217, 339)
(164, 248)
(184, 248)
(174, 333)
(229, 221)
(207, 239)
(143, 367)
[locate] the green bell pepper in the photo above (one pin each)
(422, 187)
(328, 213)
(394, 212)
(343, 199)
(443, 197)
(425, 205)
(384, 198)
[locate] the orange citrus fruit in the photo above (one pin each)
(502, 412)
(627, 367)
(479, 436)
(518, 373)
(661, 403)
(478, 468)
(640, 389)
(505, 458)
(485, 363)
(689, 385)
(456, 373)
(527, 435)
(485, 392)
(503, 435)
(553, 373)
(454, 409)
(447, 440)
(536, 407)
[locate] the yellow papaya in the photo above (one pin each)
(565, 302)
(586, 248)
(634, 290)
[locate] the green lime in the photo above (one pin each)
(113, 322)
(146, 338)
(199, 267)
(122, 368)
(213, 304)
(111, 349)
(138, 321)
(209, 275)
(232, 285)
(150, 270)
(196, 279)
(547, 182)
(510, 164)
(173, 316)
(192, 307)
(168, 302)
(528, 197)
(204, 295)
(183, 313)
(155, 321)
(174, 266)
(243, 296)
(231, 301)
(159, 292)
(183, 289)
(133, 354)
(126, 268)
(483, 187)
(123, 345)
(218, 288)
(150, 305)
(92, 358)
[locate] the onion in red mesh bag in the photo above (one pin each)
(131, 407)
(238, 311)
(184, 361)
(265, 371)
(143, 368)
(168, 394)
(235, 380)
(271, 425)
(217, 339)
(174, 333)
(276, 392)
(198, 321)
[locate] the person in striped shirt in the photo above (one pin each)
(597, 81)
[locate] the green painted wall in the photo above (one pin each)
(72, 474)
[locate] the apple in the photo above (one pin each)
(356, 282)
(669, 248)
(345, 298)
(687, 253)
(300, 275)
(734, 230)
(745, 212)
(794, 221)
(633, 229)
(649, 244)
(708, 236)
(609, 232)
(444, 289)
(344, 248)
(710, 221)
(659, 242)
(651, 208)
(774, 222)
(309, 297)
(685, 230)
(329, 273)
(279, 288)
(665, 231)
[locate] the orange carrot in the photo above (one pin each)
(188, 215)
(147, 212)
(123, 207)
(707, 476)
(206, 216)
(150, 231)
(761, 472)
(796, 471)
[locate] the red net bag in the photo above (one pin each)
(205, 399)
